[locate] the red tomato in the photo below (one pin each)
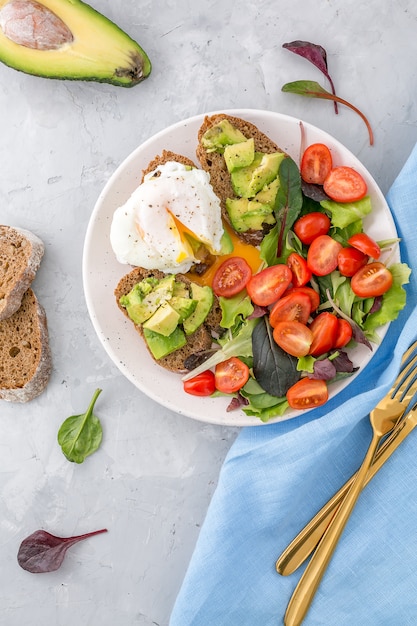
(294, 306)
(231, 277)
(293, 337)
(316, 163)
(310, 292)
(349, 260)
(344, 333)
(307, 393)
(371, 280)
(310, 226)
(269, 284)
(324, 328)
(344, 184)
(322, 255)
(365, 244)
(200, 385)
(231, 375)
(301, 273)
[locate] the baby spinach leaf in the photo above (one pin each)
(312, 89)
(274, 369)
(42, 552)
(288, 201)
(81, 435)
(314, 53)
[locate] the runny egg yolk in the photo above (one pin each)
(240, 248)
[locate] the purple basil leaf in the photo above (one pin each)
(314, 53)
(258, 311)
(42, 552)
(376, 305)
(324, 369)
(343, 363)
(237, 402)
(314, 192)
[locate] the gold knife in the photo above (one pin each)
(306, 541)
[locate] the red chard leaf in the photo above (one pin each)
(316, 54)
(312, 89)
(42, 552)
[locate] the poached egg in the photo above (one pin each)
(172, 204)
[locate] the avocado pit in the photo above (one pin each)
(31, 24)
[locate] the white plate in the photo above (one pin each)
(101, 271)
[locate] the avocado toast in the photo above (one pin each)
(243, 165)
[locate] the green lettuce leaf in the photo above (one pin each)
(344, 214)
(393, 301)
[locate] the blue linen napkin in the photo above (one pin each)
(277, 476)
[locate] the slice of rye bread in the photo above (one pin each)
(166, 156)
(21, 252)
(25, 356)
(201, 339)
(215, 165)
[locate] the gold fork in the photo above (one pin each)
(307, 539)
(383, 419)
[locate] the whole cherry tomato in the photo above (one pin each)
(349, 260)
(311, 225)
(324, 328)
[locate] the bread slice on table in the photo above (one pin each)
(215, 165)
(25, 357)
(200, 340)
(21, 252)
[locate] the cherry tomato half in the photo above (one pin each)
(310, 292)
(364, 243)
(310, 226)
(301, 273)
(269, 284)
(322, 255)
(293, 337)
(295, 306)
(307, 393)
(316, 163)
(344, 334)
(371, 280)
(231, 375)
(344, 184)
(231, 277)
(350, 260)
(324, 328)
(201, 385)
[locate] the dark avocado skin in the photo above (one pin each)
(113, 56)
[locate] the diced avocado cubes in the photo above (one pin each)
(239, 154)
(167, 310)
(248, 181)
(204, 297)
(220, 135)
(248, 214)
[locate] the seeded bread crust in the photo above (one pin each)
(25, 356)
(202, 339)
(215, 165)
(21, 252)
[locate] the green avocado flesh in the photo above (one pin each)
(71, 41)
(254, 177)
(167, 310)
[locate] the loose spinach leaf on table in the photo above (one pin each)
(81, 435)
(274, 369)
(42, 552)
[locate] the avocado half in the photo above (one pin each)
(68, 39)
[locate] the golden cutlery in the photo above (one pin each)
(383, 419)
